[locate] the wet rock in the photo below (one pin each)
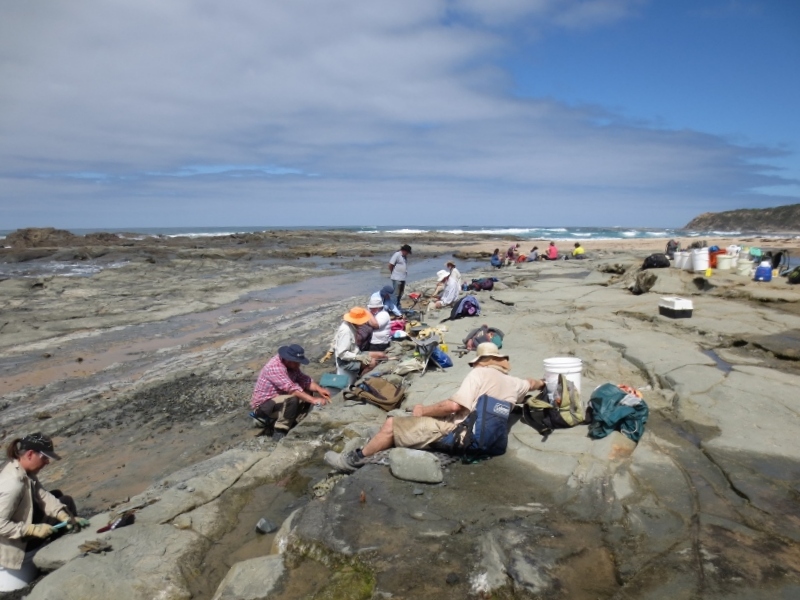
(415, 465)
(253, 579)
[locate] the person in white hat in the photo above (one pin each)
(382, 335)
(429, 424)
(450, 289)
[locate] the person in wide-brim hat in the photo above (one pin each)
(351, 337)
(284, 394)
(430, 424)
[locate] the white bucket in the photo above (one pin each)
(564, 365)
(723, 262)
(681, 258)
(745, 268)
(699, 259)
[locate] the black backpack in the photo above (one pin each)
(794, 276)
(484, 283)
(656, 261)
(468, 306)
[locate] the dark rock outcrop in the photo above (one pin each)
(780, 218)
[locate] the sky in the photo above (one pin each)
(629, 113)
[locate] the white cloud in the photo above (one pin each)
(104, 103)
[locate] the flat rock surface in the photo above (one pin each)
(705, 506)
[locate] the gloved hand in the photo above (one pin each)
(83, 522)
(39, 530)
(65, 516)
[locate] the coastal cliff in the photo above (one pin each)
(779, 218)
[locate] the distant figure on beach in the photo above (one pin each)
(552, 252)
(382, 335)
(455, 274)
(511, 254)
(534, 254)
(386, 293)
(28, 512)
(398, 269)
(578, 252)
(450, 289)
(496, 260)
(429, 424)
(350, 360)
(283, 393)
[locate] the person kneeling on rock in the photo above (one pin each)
(283, 393)
(350, 359)
(28, 512)
(429, 424)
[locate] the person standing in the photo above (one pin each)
(25, 509)
(398, 269)
(283, 392)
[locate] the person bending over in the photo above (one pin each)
(283, 393)
(429, 424)
(350, 360)
(28, 512)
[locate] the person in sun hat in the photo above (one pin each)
(429, 424)
(350, 360)
(450, 289)
(382, 335)
(283, 393)
(398, 271)
(28, 512)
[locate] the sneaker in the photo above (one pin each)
(345, 462)
(279, 435)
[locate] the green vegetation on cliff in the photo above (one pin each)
(780, 218)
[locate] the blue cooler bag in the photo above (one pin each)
(483, 433)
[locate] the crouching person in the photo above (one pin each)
(28, 512)
(283, 393)
(350, 360)
(429, 424)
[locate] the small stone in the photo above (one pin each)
(264, 525)
(181, 485)
(418, 492)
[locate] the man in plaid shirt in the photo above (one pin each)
(283, 392)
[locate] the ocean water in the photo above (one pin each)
(545, 233)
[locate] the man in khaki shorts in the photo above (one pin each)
(429, 424)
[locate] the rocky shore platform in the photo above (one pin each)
(152, 419)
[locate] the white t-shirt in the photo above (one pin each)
(450, 293)
(400, 266)
(383, 333)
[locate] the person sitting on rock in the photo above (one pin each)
(578, 253)
(450, 290)
(497, 260)
(381, 336)
(283, 393)
(534, 255)
(28, 512)
(429, 424)
(388, 304)
(350, 360)
(552, 252)
(455, 274)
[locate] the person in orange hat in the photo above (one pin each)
(350, 360)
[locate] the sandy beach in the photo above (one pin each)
(144, 371)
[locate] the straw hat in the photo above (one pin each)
(487, 349)
(357, 315)
(442, 275)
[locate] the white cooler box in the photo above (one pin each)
(675, 307)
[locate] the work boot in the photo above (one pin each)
(346, 462)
